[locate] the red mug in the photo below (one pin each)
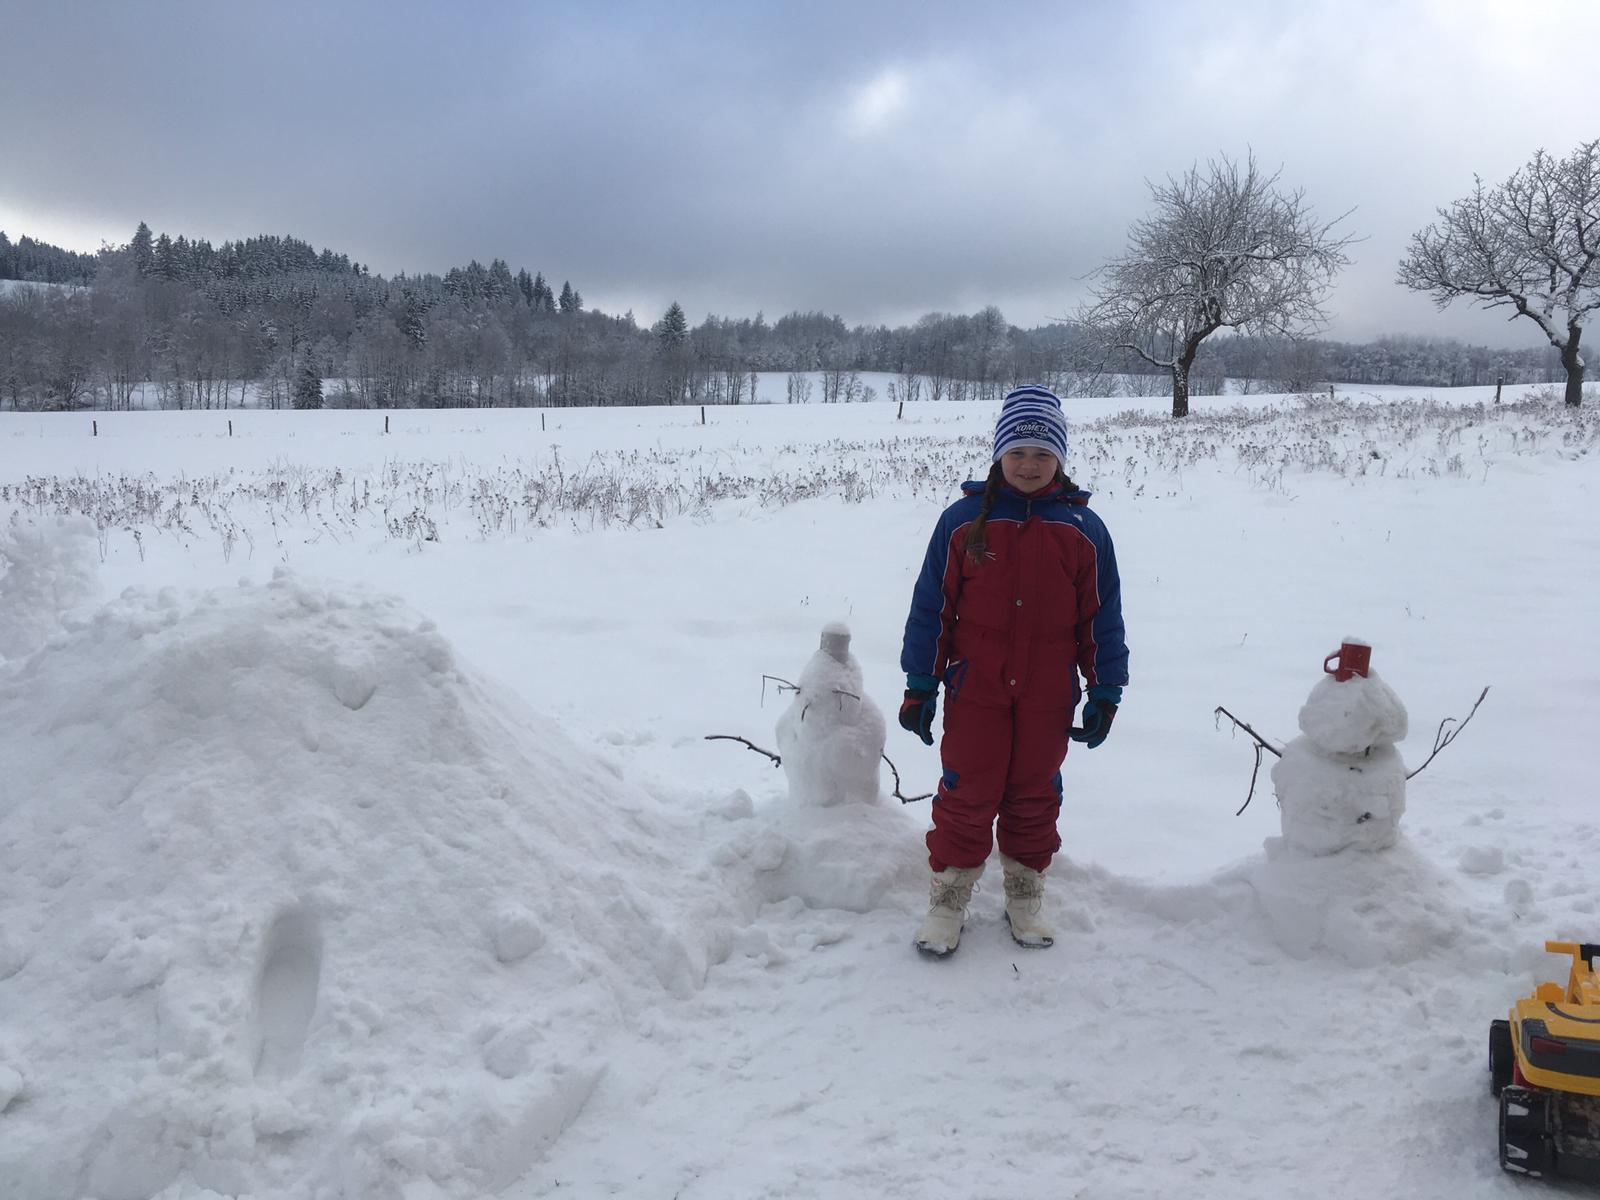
(1353, 658)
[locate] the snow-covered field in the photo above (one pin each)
(359, 836)
(10, 287)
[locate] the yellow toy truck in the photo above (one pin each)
(1544, 1064)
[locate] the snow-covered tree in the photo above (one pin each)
(144, 253)
(502, 286)
(1225, 248)
(308, 384)
(673, 328)
(166, 263)
(672, 346)
(1531, 245)
(543, 298)
(414, 320)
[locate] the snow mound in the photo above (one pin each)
(48, 568)
(291, 905)
(1393, 907)
(854, 858)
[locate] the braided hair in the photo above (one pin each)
(976, 543)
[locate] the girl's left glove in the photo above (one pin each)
(919, 705)
(1098, 713)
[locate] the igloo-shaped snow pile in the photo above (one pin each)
(293, 905)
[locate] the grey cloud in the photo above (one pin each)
(874, 160)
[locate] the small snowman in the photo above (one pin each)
(831, 736)
(1342, 782)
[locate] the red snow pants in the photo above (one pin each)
(1001, 762)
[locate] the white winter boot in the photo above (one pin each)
(947, 910)
(1024, 905)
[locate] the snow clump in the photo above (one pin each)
(46, 569)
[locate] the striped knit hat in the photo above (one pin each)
(1031, 416)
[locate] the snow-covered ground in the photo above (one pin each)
(359, 836)
(12, 286)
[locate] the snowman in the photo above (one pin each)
(1342, 782)
(831, 736)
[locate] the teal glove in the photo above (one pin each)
(1098, 713)
(917, 709)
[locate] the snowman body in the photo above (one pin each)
(831, 736)
(1342, 783)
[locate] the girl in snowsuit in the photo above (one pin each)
(1017, 597)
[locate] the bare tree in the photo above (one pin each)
(1532, 245)
(1299, 367)
(1225, 248)
(907, 385)
(1134, 383)
(840, 385)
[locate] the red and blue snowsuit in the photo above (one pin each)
(1008, 635)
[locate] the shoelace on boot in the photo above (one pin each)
(951, 895)
(1026, 887)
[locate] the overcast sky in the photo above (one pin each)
(875, 160)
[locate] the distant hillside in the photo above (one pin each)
(260, 257)
(273, 317)
(40, 262)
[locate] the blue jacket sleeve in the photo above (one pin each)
(925, 647)
(1102, 640)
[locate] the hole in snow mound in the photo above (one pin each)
(286, 993)
(354, 686)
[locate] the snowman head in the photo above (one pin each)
(836, 641)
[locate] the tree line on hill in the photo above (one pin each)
(182, 324)
(40, 262)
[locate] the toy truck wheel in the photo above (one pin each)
(1525, 1145)
(1500, 1056)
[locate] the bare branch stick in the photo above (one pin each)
(1442, 739)
(1249, 796)
(897, 795)
(1261, 741)
(793, 687)
(728, 737)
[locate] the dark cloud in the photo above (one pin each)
(876, 160)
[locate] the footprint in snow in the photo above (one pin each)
(286, 993)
